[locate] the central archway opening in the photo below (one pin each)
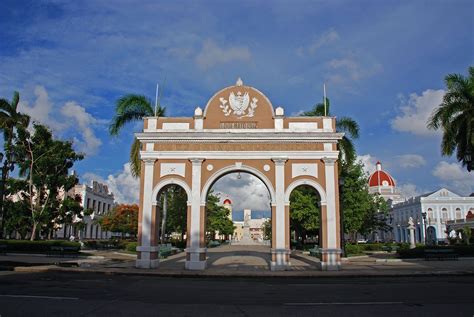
(238, 222)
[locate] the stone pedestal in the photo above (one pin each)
(280, 259)
(330, 259)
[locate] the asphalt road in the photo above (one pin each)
(83, 294)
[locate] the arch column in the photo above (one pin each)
(331, 248)
(148, 249)
(196, 250)
(280, 250)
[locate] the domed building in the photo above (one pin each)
(382, 183)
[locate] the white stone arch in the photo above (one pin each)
(233, 168)
(307, 182)
(171, 181)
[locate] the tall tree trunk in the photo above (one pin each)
(33, 231)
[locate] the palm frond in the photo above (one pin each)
(135, 163)
(348, 126)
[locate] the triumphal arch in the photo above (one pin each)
(239, 131)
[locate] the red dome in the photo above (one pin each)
(227, 202)
(380, 178)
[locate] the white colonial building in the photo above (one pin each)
(440, 207)
(99, 201)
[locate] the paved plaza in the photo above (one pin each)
(230, 260)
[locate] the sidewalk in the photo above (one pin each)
(241, 261)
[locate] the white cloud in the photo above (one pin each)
(416, 111)
(211, 54)
(83, 121)
(368, 162)
(248, 192)
(69, 117)
(455, 177)
(408, 190)
(125, 187)
(352, 68)
(41, 110)
(320, 41)
(411, 160)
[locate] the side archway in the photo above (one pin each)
(170, 181)
(233, 168)
(306, 182)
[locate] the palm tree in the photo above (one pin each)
(10, 120)
(343, 124)
(455, 116)
(130, 108)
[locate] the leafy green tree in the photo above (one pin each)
(455, 117)
(19, 218)
(177, 211)
(363, 212)
(304, 212)
(217, 218)
(132, 108)
(10, 120)
(44, 164)
(267, 229)
(343, 124)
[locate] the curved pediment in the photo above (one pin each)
(239, 107)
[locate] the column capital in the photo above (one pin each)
(149, 161)
(279, 160)
(329, 160)
(196, 160)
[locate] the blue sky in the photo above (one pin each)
(383, 63)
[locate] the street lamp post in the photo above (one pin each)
(8, 165)
(423, 214)
(341, 218)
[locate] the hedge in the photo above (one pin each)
(419, 251)
(131, 246)
(42, 246)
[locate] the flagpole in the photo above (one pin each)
(156, 98)
(324, 88)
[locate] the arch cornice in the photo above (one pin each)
(171, 181)
(307, 182)
(233, 168)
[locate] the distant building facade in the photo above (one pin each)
(95, 198)
(442, 207)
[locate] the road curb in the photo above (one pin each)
(207, 274)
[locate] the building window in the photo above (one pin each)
(88, 203)
(444, 215)
(93, 204)
(98, 207)
(458, 213)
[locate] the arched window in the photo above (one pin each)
(430, 216)
(458, 213)
(444, 215)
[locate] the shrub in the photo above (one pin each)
(354, 249)
(419, 251)
(131, 246)
(38, 246)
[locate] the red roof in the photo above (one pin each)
(381, 178)
(227, 202)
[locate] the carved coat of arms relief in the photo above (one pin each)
(238, 103)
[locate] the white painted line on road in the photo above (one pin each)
(40, 297)
(348, 303)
